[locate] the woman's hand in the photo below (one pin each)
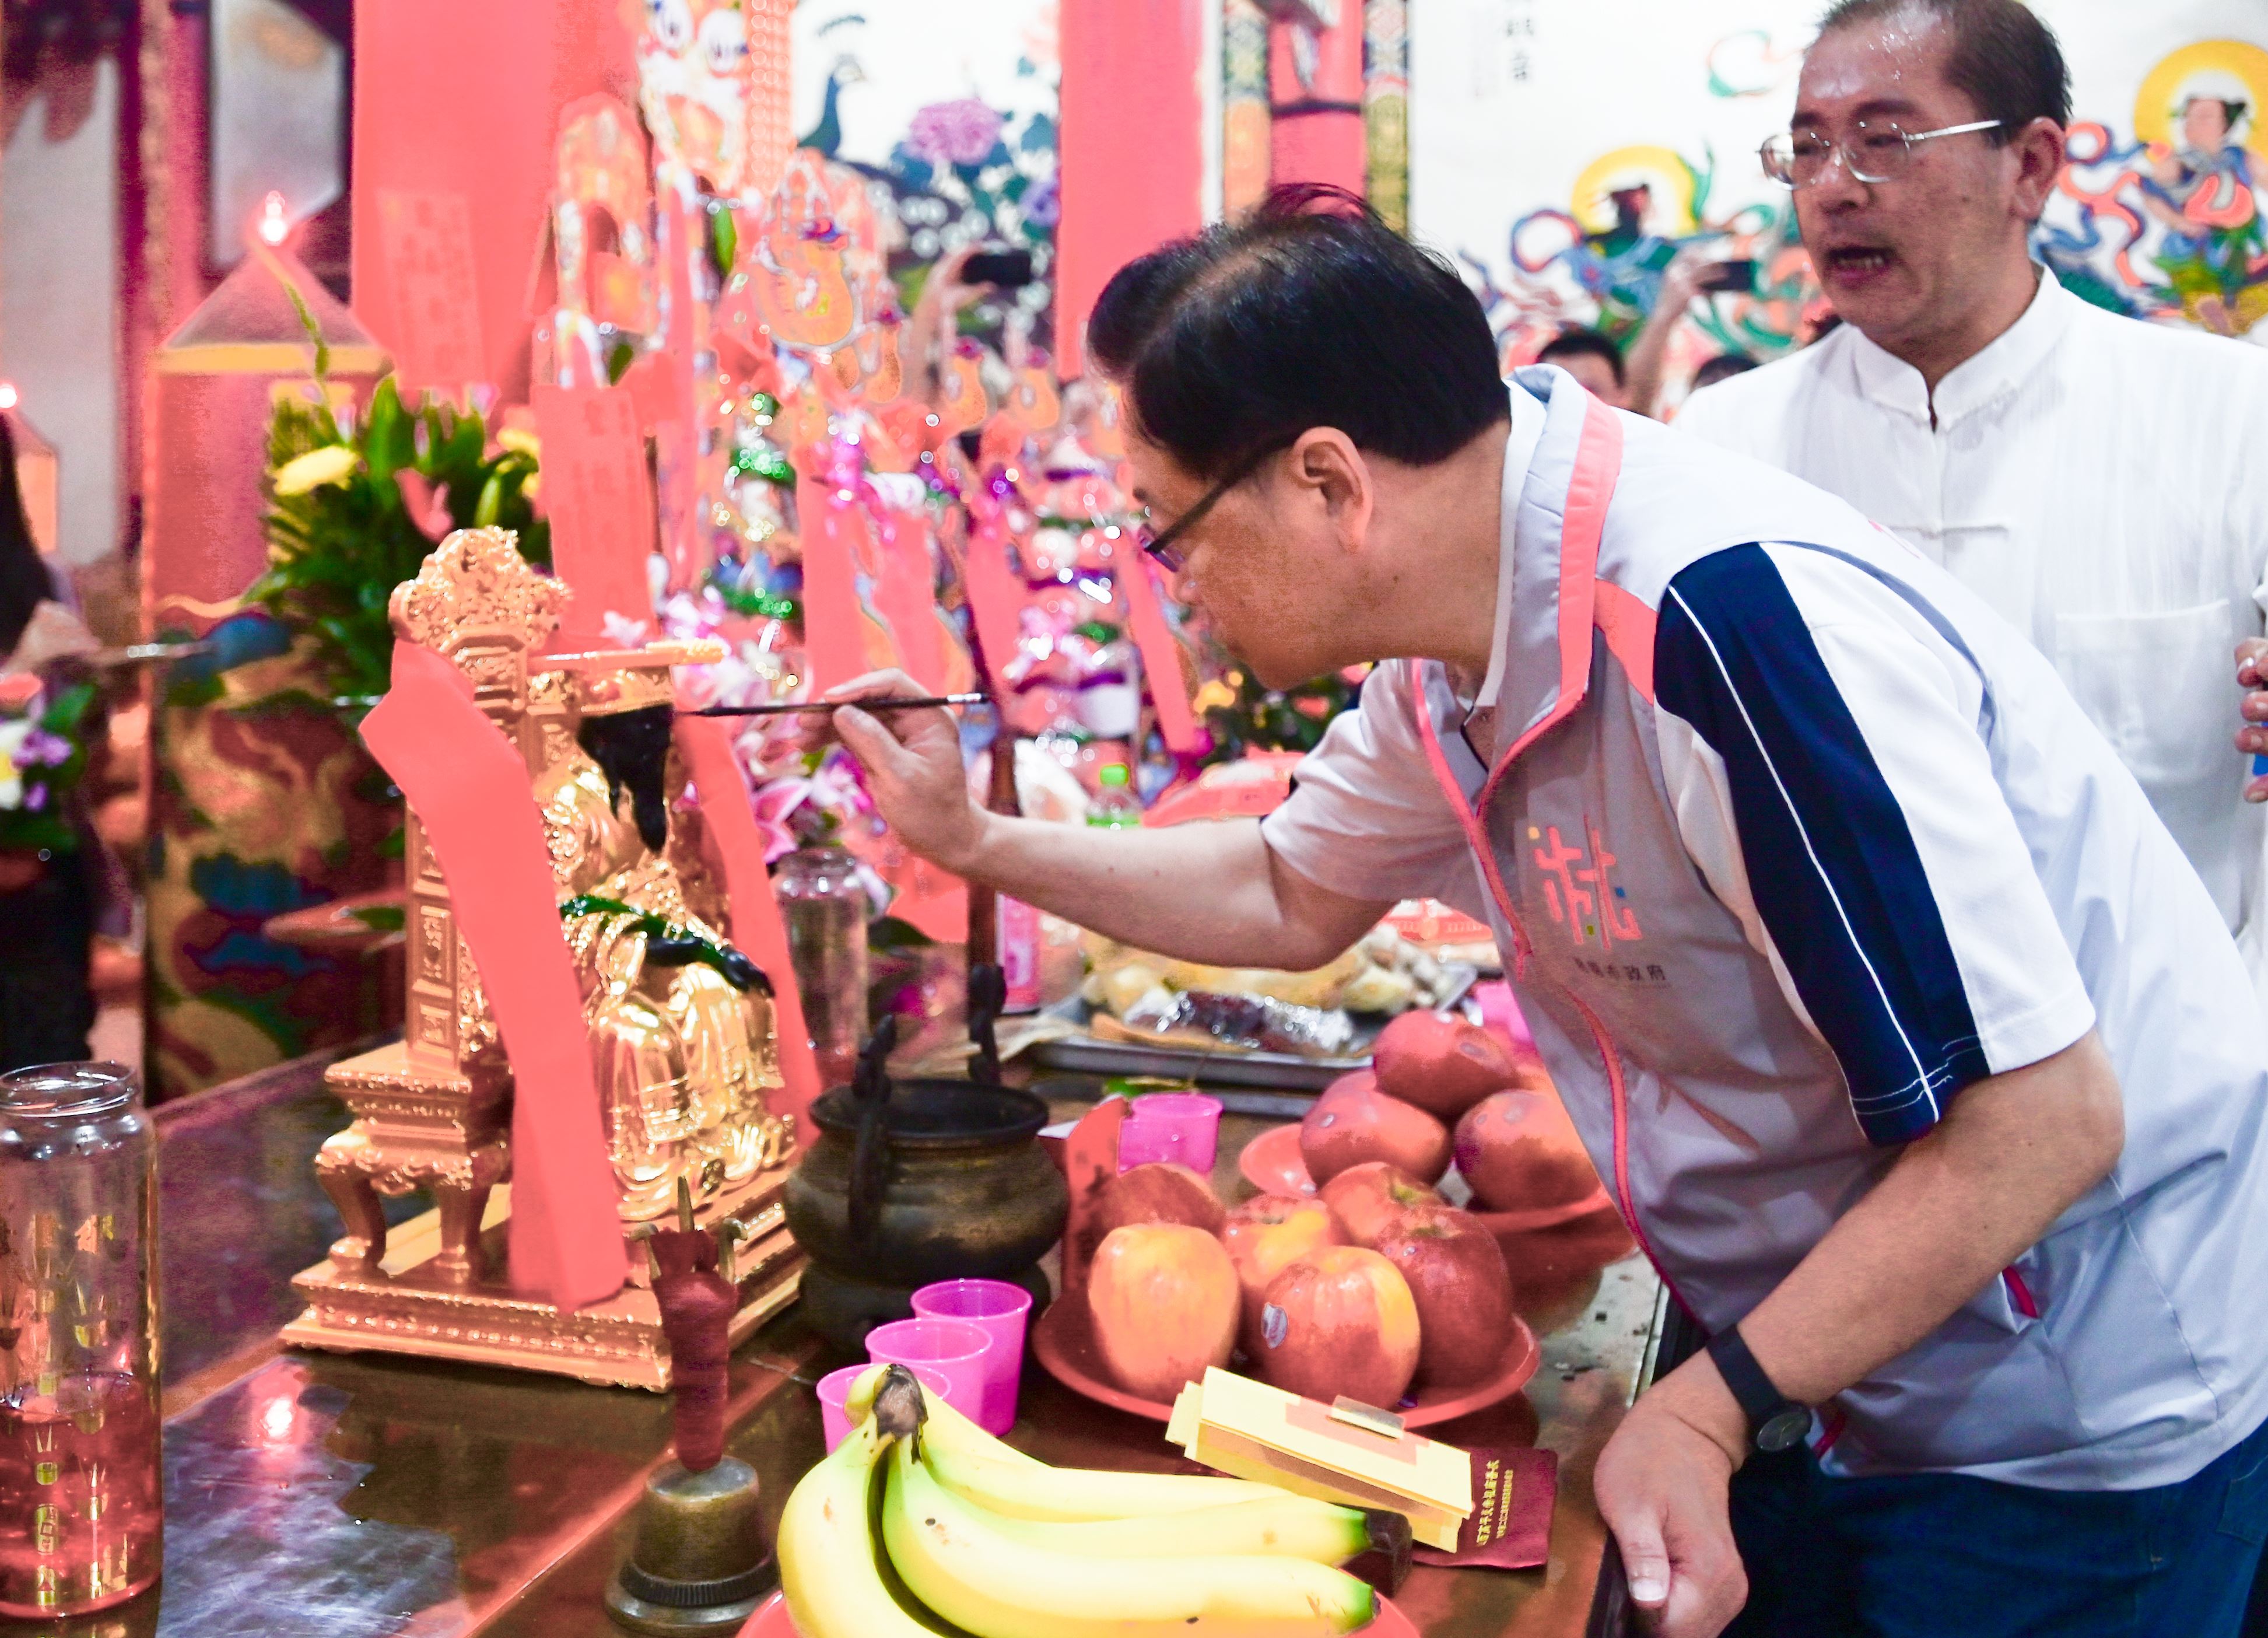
(52, 633)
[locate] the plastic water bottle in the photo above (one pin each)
(1115, 805)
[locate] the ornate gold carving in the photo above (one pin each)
(476, 585)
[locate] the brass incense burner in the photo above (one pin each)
(681, 1029)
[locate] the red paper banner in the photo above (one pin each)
(1161, 658)
(427, 241)
(757, 929)
(471, 791)
(906, 597)
(833, 530)
(996, 600)
(599, 500)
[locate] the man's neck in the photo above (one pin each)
(1441, 604)
(1940, 352)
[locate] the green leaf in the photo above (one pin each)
(484, 515)
(724, 238)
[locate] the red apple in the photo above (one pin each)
(1353, 1080)
(1346, 1128)
(1368, 1200)
(1265, 1234)
(1340, 1321)
(1520, 1152)
(1456, 1275)
(1159, 1191)
(1165, 1303)
(1441, 1064)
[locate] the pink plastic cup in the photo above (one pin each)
(1001, 1310)
(953, 1348)
(834, 1389)
(1183, 1127)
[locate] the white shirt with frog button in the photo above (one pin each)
(2102, 484)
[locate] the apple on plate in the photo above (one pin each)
(1349, 1125)
(1457, 1274)
(1165, 1303)
(1339, 1321)
(1159, 1191)
(1265, 1236)
(1369, 1201)
(1520, 1152)
(1441, 1063)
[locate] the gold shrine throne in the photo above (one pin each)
(433, 1110)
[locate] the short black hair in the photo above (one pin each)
(1307, 312)
(1723, 367)
(1575, 341)
(2004, 59)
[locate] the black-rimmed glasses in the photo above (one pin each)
(1873, 150)
(1165, 545)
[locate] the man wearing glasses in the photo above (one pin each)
(2095, 480)
(1908, 1043)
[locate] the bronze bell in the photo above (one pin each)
(699, 1565)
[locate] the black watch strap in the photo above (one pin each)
(1775, 1420)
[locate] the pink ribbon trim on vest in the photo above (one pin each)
(1598, 464)
(473, 796)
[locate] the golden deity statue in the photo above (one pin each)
(681, 1023)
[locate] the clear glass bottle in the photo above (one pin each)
(825, 907)
(81, 1484)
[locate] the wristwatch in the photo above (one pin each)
(1775, 1421)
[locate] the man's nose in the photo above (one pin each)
(1835, 188)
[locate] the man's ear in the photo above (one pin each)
(2039, 151)
(1325, 461)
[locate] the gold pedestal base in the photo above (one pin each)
(408, 1303)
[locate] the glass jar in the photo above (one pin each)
(825, 906)
(81, 1487)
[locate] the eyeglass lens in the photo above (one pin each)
(1876, 153)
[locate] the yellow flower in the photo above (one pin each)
(528, 490)
(521, 442)
(330, 464)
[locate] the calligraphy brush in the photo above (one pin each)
(835, 705)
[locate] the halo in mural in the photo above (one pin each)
(2224, 71)
(1604, 191)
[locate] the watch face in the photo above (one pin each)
(1783, 1429)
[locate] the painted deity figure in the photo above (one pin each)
(681, 1027)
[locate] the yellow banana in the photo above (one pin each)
(830, 1562)
(1282, 1525)
(971, 1574)
(1069, 1495)
(943, 1426)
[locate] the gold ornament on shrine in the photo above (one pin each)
(682, 1028)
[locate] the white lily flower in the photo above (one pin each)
(13, 731)
(330, 464)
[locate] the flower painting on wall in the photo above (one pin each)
(875, 90)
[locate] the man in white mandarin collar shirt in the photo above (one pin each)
(2098, 481)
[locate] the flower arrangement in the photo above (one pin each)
(43, 753)
(357, 503)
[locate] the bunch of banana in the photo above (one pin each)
(922, 1524)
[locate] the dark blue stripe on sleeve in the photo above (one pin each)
(1832, 861)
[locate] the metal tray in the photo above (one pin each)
(1226, 1067)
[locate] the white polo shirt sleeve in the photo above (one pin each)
(1366, 816)
(1822, 744)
